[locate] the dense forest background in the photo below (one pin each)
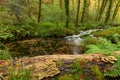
(60, 11)
(60, 29)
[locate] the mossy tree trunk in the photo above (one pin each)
(108, 14)
(77, 17)
(98, 9)
(67, 12)
(116, 10)
(102, 9)
(84, 10)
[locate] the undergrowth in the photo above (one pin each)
(20, 74)
(105, 46)
(114, 71)
(29, 30)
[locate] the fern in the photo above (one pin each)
(105, 47)
(115, 72)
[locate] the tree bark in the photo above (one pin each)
(84, 9)
(108, 14)
(116, 10)
(39, 14)
(102, 8)
(73, 5)
(78, 10)
(67, 12)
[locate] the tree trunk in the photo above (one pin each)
(116, 10)
(102, 8)
(39, 14)
(52, 1)
(78, 10)
(29, 10)
(67, 12)
(98, 9)
(109, 11)
(84, 9)
(60, 4)
(73, 5)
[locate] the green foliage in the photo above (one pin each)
(59, 63)
(20, 75)
(108, 33)
(96, 71)
(33, 30)
(51, 29)
(91, 40)
(5, 33)
(4, 54)
(66, 77)
(114, 71)
(105, 47)
(76, 73)
(116, 38)
(51, 13)
(17, 8)
(89, 25)
(78, 68)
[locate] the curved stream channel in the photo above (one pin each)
(49, 46)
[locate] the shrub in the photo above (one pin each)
(29, 30)
(105, 47)
(90, 40)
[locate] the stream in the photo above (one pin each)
(50, 46)
(76, 40)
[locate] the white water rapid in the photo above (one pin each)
(76, 40)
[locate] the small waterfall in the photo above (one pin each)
(76, 40)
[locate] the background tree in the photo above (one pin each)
(116, 10)
(84, 10)
(39, 13)
(109, 11)
(102, 9)
(67, 12)
(78, 10)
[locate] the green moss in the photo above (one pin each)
(66, 77)
(90, 40)
(107, 33)
(96, 71)
(59, 63)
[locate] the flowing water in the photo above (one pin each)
(76, 40)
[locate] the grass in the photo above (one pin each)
(20, 74)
